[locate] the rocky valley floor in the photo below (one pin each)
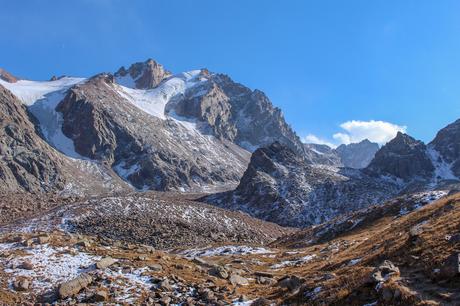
(404, 252)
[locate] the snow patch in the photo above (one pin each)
(225, 251)
(154, 101)
(52, 265)
(42, 99)
(290, 263)
(443, 169)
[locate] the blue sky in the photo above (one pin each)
(324, 63)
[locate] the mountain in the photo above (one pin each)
(357, 155)
(445, 151)
(353, 155)
(404, 158)
(189, 131)
(281, 186)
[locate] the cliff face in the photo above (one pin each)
(404, 158)
(27, 162)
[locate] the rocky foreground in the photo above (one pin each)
(405, 253)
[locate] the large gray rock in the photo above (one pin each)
(144, 75)
(404, 158)
(74, 286)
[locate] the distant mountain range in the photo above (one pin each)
(353, 155)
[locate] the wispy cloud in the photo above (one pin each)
(356, 130)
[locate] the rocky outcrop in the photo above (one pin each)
(8, 77)
(282, 187)
(142, 75)
(27, 162)
(357, 155)
(236, 113)
(447, 144)
(403, 158)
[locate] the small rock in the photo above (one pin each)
(290, 282)
(155, 267)
(384, 272)
(237, 280)
(43, 239)
(74, 286)
(105, 262)
(100, 296)
(28, 242)
(27, 265)
(265, 280)
(166, 300)
(21, 285)
(219, 271)
(165, 286)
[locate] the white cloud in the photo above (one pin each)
(310, 138)
(376, 131)
(355, 131)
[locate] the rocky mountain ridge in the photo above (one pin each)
(353, 155)
(282, 187)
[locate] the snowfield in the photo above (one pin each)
(154, 101)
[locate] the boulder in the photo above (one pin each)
(27, 265)
(219, 271)
(74, 286)
(105, 262)
(100, 295)
(43, 239)
(451, 266)
(237, 280)
(290, 282)
(21, 285)
(384, 272)
(155, 267)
